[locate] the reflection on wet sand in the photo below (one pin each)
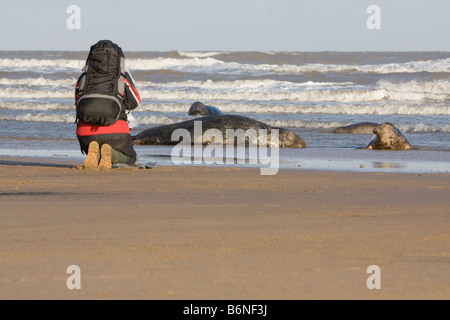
(388, 165)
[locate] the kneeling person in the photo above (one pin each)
(103, 93)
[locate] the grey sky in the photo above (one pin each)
(231, 25)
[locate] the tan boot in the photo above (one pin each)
(92, 156)
(105, 160)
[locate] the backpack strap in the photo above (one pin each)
(119, 86)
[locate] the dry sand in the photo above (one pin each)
(221, 233)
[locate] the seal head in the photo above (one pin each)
(388, 137)
(198, 108)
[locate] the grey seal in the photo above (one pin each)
(162, 135)
(357, 128)
(388, 137)
(198, 108)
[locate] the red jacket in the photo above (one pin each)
(132, 100)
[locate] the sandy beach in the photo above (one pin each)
(220, 233)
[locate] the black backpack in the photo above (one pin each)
(102, 85)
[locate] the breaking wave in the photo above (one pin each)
(163, 120)
(349, 109)
(204, 62)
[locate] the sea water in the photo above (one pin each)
(310, 92)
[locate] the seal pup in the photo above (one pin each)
(388, 137)
(357, 128)
(162, 135)
(198, 108)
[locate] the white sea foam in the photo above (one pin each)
(200, 54)
(42, 65)
(407, 128)
(159, 120)
(246, 90)
(36, 106)
(422, 127)
(264, 96)
(213, 65)
(307, 96)
(335, 108)
(11, 93)
(326, 91)
(243, 85)
(440, 88)
(203, 62)
(38, 82)
(185, 65)
(163, 120)
(164, 107)
(384, 90)
(41, 117)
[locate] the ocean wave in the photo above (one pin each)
(437, 87)
(347, 96)
(424, 128)
(35, 106)
(38, 82)
(243, 85)
(271, 85)
(41, 117)
(158, 120)
(200, 54)
(386, 99)
(11, 93)
(205, 63)
(335, 108)
(175, 64)
(164, 120)
(342, 98)
(213, 65)
(437, 90)
(406, 128)
(44, 65)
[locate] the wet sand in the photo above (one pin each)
(220, 233)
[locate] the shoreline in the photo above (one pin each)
(303, 159)
(220, 233)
